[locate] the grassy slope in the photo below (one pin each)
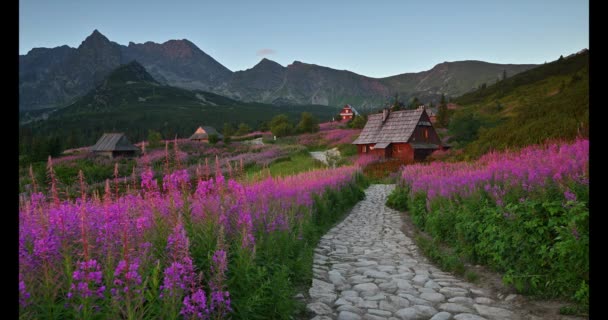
(548, 102)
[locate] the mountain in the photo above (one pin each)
(130, 100)
(56, 77)
(547, 102)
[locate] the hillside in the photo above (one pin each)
(547, 102)
(57, 77)
(131, 101)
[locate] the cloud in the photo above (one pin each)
(265, 52)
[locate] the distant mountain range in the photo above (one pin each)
(56, 77)
(130, 100)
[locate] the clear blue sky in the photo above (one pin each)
(372, 38)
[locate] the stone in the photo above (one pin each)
(378, 312)
(349, 308)
(366, 289)
(323, 296)
(321, 318)
(441, 316)
(455, 308)
(349, 293)
(341, 301)
(373, 317)
(462, 300)
(318, 308)
(377, 274)
(347, 315)
(420, 279)
(510, 297)
(416, 312)
(468, 316)
(433, 297)
(478, 292)
(493, 312)
(376, 297)
(368, 304)
(483, 300)
(432, 285)
(404, 284)
(389, 287)
(365, 263)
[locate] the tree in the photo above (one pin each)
(280, 126)
(415, 103)
(228, 129)
(243, 129)
(308, 123)
(358, 122)
(397, 104)
(560, 58)
(443, 113)
(154, 138)
(213, 138)
(504, 74)
(264, 126)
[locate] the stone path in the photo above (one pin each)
(322, 155)
(366, 268)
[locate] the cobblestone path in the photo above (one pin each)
(367, 268)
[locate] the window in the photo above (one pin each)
(364, 149)
(426, 133)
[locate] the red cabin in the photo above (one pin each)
(348, 112)
(406, 134)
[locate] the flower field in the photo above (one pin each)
(524, 213)
(180, 247)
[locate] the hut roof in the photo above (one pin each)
(113, 142)
(398, 127)
(352, 109)
(203, 132)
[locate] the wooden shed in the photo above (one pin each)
(203, 132)
(404, 134)
(114, 145)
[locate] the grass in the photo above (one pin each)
(295, 163)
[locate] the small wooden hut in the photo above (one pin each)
(114, 145)
(203, 132)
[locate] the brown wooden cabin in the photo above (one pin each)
(406, 134)
(114, 145)
(348, 112)
(203, 132)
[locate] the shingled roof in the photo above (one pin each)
(203, 132)
(398, 127)
(113, 142)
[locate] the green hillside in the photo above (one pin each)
(547, 102)
(130, 101)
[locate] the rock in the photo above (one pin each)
(322, 296)
(366, 289)
(493, 312)
(323, 285)
(483, 300)
(433, 297)
(348, 308)
(468, 316)
(359, 279)
(404, 284)
(349, 293)
(378, 312)
(341, 301)
(299, 296)
(376, 297)
(347, 315)
(389, 287)
(321, 318)
(442, 316)
(368, 304)
(510, 297)
(478, 292)
(462, 300)
(455, 308)
(365, 263)
(420, 279)
(318, 308)
(416, 312)
(377, 274)
(432, 285)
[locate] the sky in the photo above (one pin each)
(372, 38)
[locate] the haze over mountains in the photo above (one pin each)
(56, 77)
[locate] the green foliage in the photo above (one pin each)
(358, 122)
(398, 199)
(540, 243)
(228, 130)
(243, 129)
(308, 123)
(213, 138)
(280, 126)
(154, 139)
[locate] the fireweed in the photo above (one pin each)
(97, 255)
(524, 213)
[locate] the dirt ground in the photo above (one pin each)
(525, 307)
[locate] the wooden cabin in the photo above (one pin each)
(348, 113)
(114, 145)
(202, 134)
(406, 134)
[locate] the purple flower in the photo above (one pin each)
(195, 306)
(87, 280)
(575, 233)
(178, 278)
(126, 277)
(23, 294)
(570, 196)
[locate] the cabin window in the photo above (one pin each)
(426, 133)
(364, 149)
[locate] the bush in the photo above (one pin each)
(213, 138)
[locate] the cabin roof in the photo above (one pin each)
(113, 142)
(398, 127)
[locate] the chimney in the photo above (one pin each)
(385, 113)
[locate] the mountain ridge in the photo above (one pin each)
(55, 77)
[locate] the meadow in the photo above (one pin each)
(523, 213)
